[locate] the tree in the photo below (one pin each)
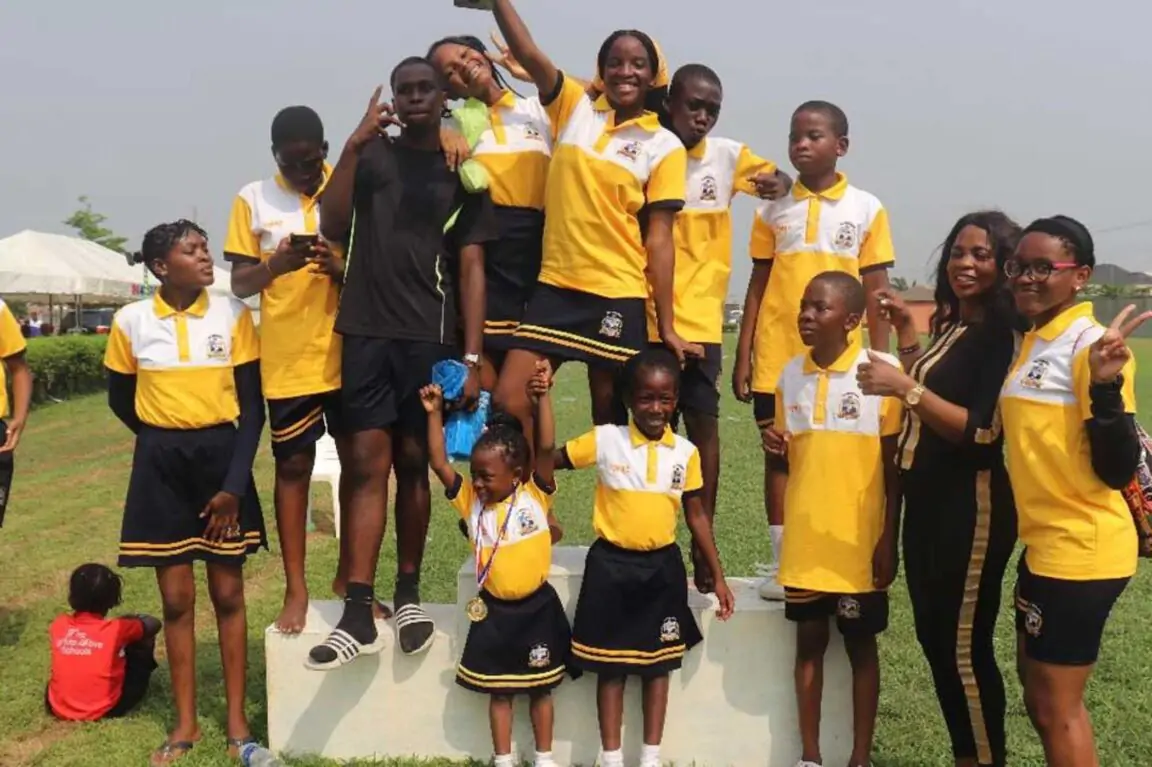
(90, 225)
(899, 284)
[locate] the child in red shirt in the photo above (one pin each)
(101, 666)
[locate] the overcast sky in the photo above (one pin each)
(157, 110)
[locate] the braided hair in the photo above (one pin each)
(476, 44)
(162, 238)
(93, 588)
(505, 434)
(651, 359)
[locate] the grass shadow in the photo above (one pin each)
(13, 622)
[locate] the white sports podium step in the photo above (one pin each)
(732, 704)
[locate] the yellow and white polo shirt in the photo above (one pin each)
(1073, 526)
(516, 151)
(842, 229)
(718, 168)
(602, 175)
(835, 500)
(183, 361)
(11, 343)
(525, 553)
(301, 354)
(639, 483)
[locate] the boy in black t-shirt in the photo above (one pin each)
(416, 255)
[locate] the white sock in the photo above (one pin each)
(503, 760)
(544, 759)
(776, 534)
(612, 758)
(649, 756)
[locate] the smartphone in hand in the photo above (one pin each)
(476, 5)
(303, 241)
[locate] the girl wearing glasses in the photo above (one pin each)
(1068, 407)
(960, 520)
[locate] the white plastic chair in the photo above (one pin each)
(327, 469)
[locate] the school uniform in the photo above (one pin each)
(959, 532)
(398, 310)
(300, 353)
(12, 343)
(516, 151)
(632, 616)
(718, 168)
(180, 380)
(835, 500)
(98, 671)
(589, 303)
(1080, 544)
(522, 643)
(842, 229)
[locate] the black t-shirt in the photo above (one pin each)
(966, 365)
(401, 277)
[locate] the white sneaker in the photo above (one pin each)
(770, 588)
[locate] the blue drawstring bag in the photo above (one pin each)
(461, 428)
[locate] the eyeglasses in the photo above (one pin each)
(1038, 271)
(310, 163)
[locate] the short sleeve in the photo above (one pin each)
(561, 108)
(461, 497)
(371, 169)
(241, 243)
(668, 181)
(749, 165)
(476, 223)
(129, 630)
(762, 246)
(891, 417)
(118, 354)
(694, 476)
(778, 416)
(245, 341)
(1082, 380)
(11, 338)
(581, 451)
(876, 250)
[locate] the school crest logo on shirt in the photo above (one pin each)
(216, 348)
(849, 409)
(1033, 620)
(532, 134)
(1034, 378)
(708, 189)
(846, 236)
(527, 522)
(670, 630)
(678, 477)
(631, 150)
(612, 326)
(848, 608)
(539, 656)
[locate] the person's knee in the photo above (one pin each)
(861, 649)
(511, 393)
(367, 461)
(227, 595)
(811, 641)
(411, 460)
(295, 468)
(178, 602)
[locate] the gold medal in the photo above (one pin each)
(476, 609)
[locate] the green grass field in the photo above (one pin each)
(72, 470)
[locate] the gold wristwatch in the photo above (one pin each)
(912, 398)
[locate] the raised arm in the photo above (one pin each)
(432, 398)
(544, 423)
(524, 49)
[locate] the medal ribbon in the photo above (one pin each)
(482, 573)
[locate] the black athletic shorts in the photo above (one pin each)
(856, 614)
(297, 423)
(1063, 621)
(571, 325)
(382, 380)
(511, 268)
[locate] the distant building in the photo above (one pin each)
(921, 303)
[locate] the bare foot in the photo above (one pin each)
(292, 614)
(380, 611)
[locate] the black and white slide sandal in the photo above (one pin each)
(414, 628)
(339, 649)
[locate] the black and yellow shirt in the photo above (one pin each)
(301, 354)
(835, 500)
(640, 483)
(183, 361)
(525, 552)
(602, 175)
(11, 343)
(842, 229)
(1074, 526)
(718, 168)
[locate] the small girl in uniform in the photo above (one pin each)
(632, 618)
(183, 369)
(519, 639)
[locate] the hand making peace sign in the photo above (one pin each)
(1107, 357)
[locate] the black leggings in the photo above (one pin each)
(959, 532)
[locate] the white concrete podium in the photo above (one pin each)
(731, 704)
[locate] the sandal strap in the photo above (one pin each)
(343, 644)
(410, 615)
(170, 746)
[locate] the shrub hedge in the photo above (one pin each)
(65, 366)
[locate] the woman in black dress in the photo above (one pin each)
(960, 519)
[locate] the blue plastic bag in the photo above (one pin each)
(461, 428)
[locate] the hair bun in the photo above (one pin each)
(501, 420)
(137, 257)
